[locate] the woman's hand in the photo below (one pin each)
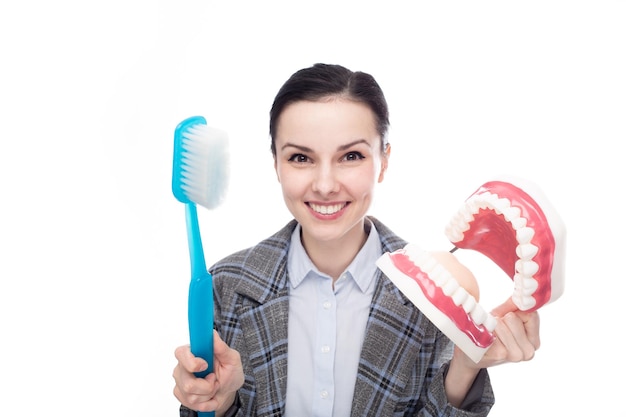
(215, 392)
(517, 339)
(517, 336)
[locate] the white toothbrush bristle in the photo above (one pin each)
(204, 165)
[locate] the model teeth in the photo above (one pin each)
(468, 217)
(501, 205)
(440, 274)
(459, 296)
(525, 286)
(525, 235)
(524, 302)
(526, 251)
(479, 315)
(469, 304)
(490, 323)
(331, 209)
(511, 213)
(525, 267)
(450, 286)
(518, 223)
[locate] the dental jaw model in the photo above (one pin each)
(513, 224)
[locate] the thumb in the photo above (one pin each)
(504, 308)
(218, 344)
(221, 351)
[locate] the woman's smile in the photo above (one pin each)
(327, 209)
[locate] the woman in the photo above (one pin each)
(305, 322)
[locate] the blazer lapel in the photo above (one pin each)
(263, 315)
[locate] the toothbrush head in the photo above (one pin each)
(200, 169)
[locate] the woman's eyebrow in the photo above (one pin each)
(340, 148)
(293, 145)
(351, 144)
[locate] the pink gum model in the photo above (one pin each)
(511, 222)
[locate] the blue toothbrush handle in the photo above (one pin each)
(201, 320)
(201, 323)
(200, 300)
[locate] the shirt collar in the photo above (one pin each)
(362, 268)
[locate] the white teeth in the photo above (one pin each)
(332, 209)
(518, 223)
(526, 268)
(525, 235)
(467, 216)
(525, 250)
(438, 269)
(450, 286)
(439, 279)
(492, 199)
(429, 263)
(511, 213)
(459, 296)
(469, 303)
(501, 205)
(490, 323)
(524, 285)
(524, 302)
(453, 234)
(479, 315)
(530, 284)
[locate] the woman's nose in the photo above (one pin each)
(325, 181)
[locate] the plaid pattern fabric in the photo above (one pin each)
(402, 362)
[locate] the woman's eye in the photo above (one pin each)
(298, 157)
(353, 156)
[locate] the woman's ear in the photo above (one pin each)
(384, 162)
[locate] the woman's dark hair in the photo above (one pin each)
(324, 80)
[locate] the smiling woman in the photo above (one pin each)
(311, 295)
(95, 270)
(328, 160)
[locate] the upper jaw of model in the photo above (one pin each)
(513, 224)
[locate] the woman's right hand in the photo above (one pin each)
(215, 392)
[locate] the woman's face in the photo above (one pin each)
(328, 161)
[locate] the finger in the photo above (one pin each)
(532, 325)
(518, 343)
(198, 402)
(223, 353)
(193, 389)
(505, 334)
(507, 307)
(188, 361)
(219, 346)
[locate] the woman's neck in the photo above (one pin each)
(333, 257)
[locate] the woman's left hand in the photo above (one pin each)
(517, 337)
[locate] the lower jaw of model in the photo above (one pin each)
(510, 222)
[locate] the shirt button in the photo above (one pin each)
(325, 349)
(324, 394)
(326, 304)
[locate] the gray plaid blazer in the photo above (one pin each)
(404, 357)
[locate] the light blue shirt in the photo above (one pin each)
(326, 330)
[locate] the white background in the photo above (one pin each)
(94, 263)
